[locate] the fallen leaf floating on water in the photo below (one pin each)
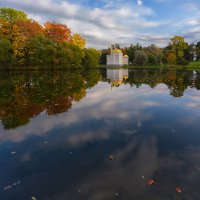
(150, 182)
(8, 187)
(33, 198)
(111, 157)
(179, 190)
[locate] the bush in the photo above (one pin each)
(182, 61)
(152, 60)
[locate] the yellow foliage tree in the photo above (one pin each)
(78, 40)
(178, 44)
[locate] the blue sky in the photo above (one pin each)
(105, 22)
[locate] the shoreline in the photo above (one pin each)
(191, 66)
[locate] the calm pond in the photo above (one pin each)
(100, 135)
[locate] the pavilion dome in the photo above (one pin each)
(126, 56)
(116, 51)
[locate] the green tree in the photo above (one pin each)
(140, 58)
(69, 55)
(12, 15)
(198, 50)
(42, 51)
(130, 51)
(178, 45)
(6, 53)
(115, 46)
(154, 54)
(189, 52)
(152, 60)
(91, 58)
(103, 56)
(77, 55)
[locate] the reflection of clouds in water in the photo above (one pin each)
(192, 104)
(122, 175)
(100, 103)
(26, 157)
(76, 139)
(133, 165)
(193, 99)
(189, 120)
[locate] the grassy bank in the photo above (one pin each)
(191, 66)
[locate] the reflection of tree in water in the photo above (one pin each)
(197, 80)
(176, 80)
(150, 77)
(91, 78)
(26, 95)
(179, 82)
(59, 105)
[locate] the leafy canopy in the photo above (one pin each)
(11, 15)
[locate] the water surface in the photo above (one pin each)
(58, 130)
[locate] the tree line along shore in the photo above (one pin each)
(26, 44)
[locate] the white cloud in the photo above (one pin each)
(193, 22)
(139, 2)
(100, 26)
(115, 21)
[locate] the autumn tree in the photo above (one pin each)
(8, 30)
(171, 58)
(57, 32)
(25, 31)
(30, 28)
(78, 40)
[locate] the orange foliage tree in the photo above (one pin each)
(57, 32)
(30, 28)
(7, 30)
(25, 31)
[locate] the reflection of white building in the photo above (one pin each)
(116, 58)
(195, 57)
(117, 76)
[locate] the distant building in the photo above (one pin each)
(116, 58)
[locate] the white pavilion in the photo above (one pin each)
(116, 58)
